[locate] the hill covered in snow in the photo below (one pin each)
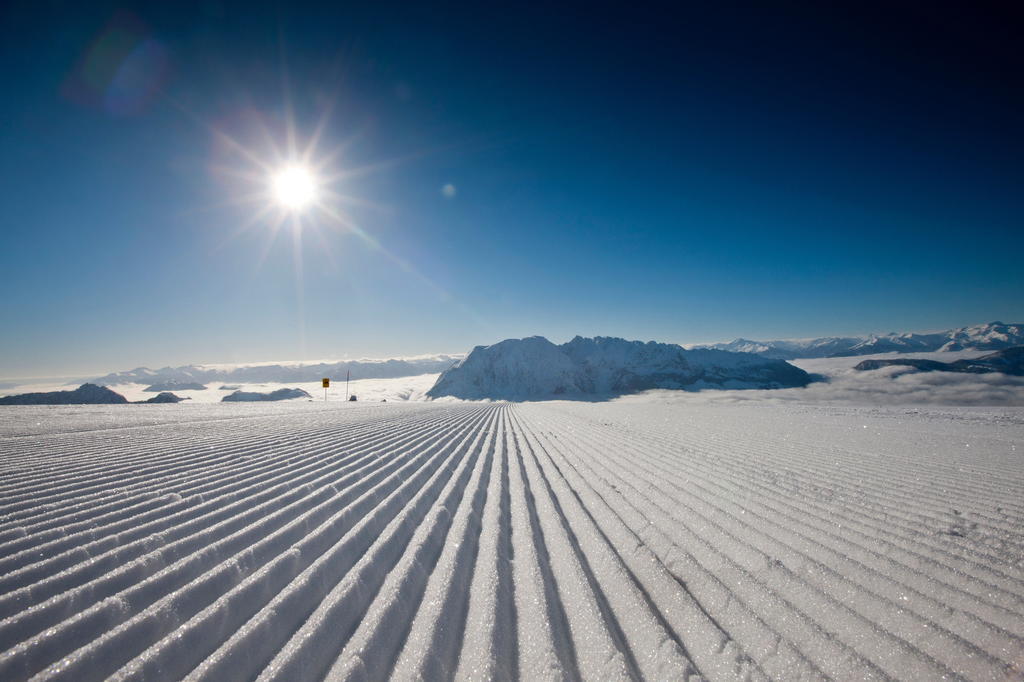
(535, 368)
(989, 336)
(173, 378)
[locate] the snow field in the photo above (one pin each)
(558, 540)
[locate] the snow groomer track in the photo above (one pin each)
(498, 541)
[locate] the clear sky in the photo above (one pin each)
(667, 173)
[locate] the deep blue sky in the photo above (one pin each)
(655, 173)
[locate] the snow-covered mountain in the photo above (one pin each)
(989, 336)
(789, 349)
(281, 373)
(532, 368)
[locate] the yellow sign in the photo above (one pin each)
(327, 382)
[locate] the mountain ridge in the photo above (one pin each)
(987, 336)
(86, 394)
(535, 368)
(171, 378)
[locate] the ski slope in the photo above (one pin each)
(629, 539)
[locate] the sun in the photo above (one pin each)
(294, 187)
(297, 188)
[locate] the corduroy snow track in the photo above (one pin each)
(562, 540)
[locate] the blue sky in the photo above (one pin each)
(671, 174)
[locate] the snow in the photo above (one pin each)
(664, 535)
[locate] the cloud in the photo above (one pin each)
(886, 386)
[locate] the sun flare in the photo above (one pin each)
(294, 187)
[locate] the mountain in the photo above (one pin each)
(86, 394)
(532, 368)
(165, 397)
(790, 349)
(896, 343)
(990, 336)
(279, 394)
(174, 378)
(172, 385)
(1008, 361)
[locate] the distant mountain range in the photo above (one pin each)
(252, 396)
(86, 394)
(91, 394)
(165, 386)
(175, 378)
(534, 368)
(990, 336)
(1009, 361)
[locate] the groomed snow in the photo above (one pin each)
(638, 538)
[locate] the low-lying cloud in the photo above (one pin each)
(887, 386)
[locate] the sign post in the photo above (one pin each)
(327, 384)
(348, 375)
